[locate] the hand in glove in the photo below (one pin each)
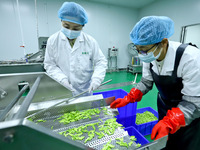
(65, 82)
(135, 95)
(169, 124)
(94, 85)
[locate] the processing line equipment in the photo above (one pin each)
(32, 63)
(135, 65)
(37, 119)
(112, 59)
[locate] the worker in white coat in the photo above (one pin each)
(175, 69)
(73, 57)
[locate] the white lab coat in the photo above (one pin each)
(81, 64)
(188, 69)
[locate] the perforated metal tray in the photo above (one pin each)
(50, 116)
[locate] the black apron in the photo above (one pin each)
(169, 87)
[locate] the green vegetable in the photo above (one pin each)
(100, 135)
(138, 145)
(30, 119)
(80, 138)
(133, 138)
(145, 117)
(130, 143)
(108, 127)
(108, 146)
(120, 139)
(41, 120)
(74, 116)
(105, 111)
(55, 119)
(90, 136)
(121, 142)
(100, 120)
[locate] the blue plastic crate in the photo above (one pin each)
(124, 112)
(127, 114)
(146, 128)
(133, 132)
(126, 121)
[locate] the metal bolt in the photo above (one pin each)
(3, 94)
(8, 138)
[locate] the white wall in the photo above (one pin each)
(109, 25)
(182, 12)
(10, 37)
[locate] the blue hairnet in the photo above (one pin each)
(152, 29)
(73, 12)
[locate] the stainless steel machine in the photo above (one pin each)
(8, 67)
(31, 109)
(112, 59)
(34, 96)
(135, 66)
(33, 62)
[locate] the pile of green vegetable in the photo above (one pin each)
(145, 117)
(73, 116)
(109, 127)
(100, 129)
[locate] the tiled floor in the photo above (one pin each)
(148, 100)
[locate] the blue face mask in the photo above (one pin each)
(150, 56)
(71, 34)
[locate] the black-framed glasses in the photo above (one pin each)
(146, 51)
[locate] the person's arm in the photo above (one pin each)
(190, 104)
(100, 66)
(144, 85)
(136, 93)
(146, 82)
(189, 108)
(51, 67)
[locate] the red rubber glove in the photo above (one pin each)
(169, 124)
(135, 95)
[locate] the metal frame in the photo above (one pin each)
(182, 37)
(14, 101)
(48, 90)
(27, 101)
(23, 134)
